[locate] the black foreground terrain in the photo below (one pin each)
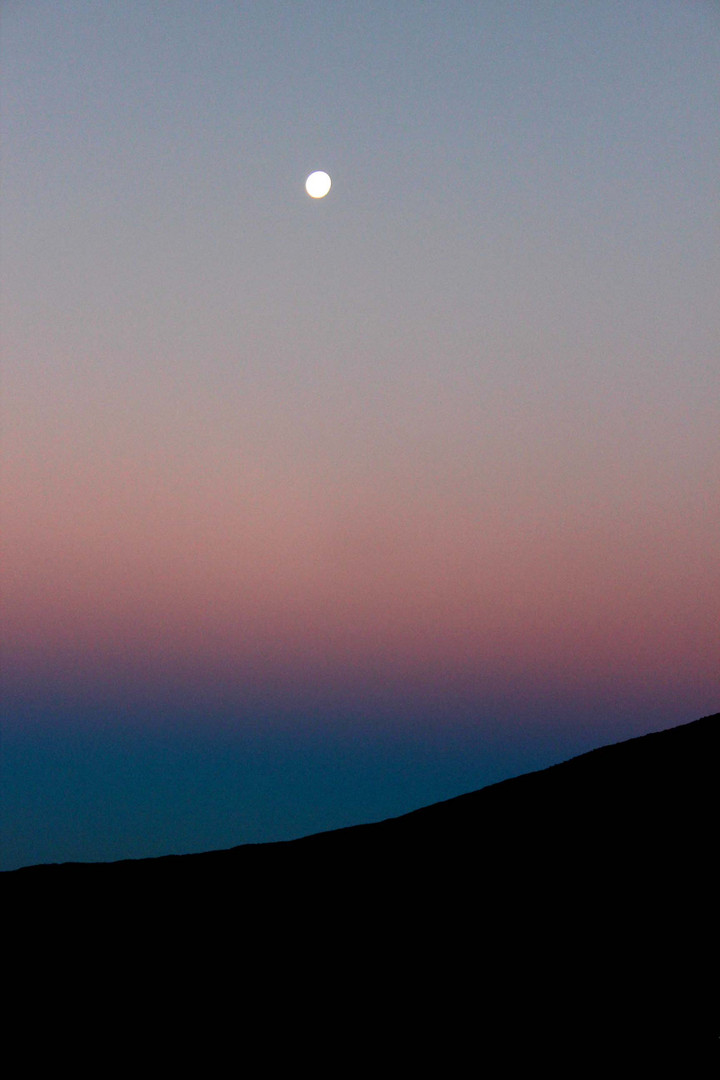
(566, 912)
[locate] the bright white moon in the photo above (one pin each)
(317, 185)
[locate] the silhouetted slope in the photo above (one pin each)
(575, 902)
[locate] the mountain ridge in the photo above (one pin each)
(443, 808)
(572, 907)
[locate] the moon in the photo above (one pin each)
(317, 185)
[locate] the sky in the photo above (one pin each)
(317, 511)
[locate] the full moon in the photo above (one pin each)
(317, 185)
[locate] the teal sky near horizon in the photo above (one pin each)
(316, 510)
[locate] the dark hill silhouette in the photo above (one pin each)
(575, 905)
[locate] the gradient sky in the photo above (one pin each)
(318, 511)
